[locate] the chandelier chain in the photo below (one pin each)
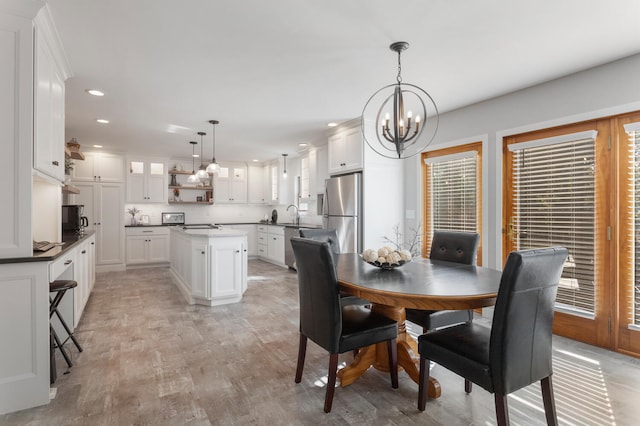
(399, 78)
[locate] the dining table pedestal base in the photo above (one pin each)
(378, 356)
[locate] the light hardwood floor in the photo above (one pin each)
(151, 359)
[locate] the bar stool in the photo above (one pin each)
(59, 287)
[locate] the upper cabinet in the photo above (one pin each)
(16, 134)
(99, 167)
(146, 181)
(345, 151)
(322, 170)
(51, 71)
(258, 184)
(230, 184)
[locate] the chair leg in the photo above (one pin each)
(53, 374)
(60, 346)
(331, 383)
(502, 410)
(467, 386)
(549, 402)
(392, 349)
(302, 351)
(423, 383)
(66, 328)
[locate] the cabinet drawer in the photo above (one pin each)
(57, 267)
(276, 230)
(148, 230)
(262, 238)
(262, 250)
(262, 228)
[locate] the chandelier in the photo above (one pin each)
(193, 177)
(389, 125)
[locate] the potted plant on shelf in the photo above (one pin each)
(176, 194)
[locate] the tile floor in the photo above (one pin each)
(151, 359)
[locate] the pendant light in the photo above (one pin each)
(193, 178)
(213, 166)
(202, 172)
(284, 173)
(385, 126)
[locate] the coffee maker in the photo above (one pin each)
(73, 220)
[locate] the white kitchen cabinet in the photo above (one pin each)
(322, 169)
(147, 245)
(99, 167)
(146, 181)
(227, 255)
(263, 237)
(49, 98)
(252, 237)
(104, 208)
(200, 270)
(305, 177)
(230, 184)
(258, 184)
(16, 134)
(275, 244)
(345, 151)
(274, 182)
(283, 188)
(210, 266)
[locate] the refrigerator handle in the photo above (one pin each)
(325, 201)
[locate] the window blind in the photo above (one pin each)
(554, 204)
(634, 187)
(452, 192)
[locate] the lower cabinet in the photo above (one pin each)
(263, 237)
(147, 245)
(210, 270)
(271, 243)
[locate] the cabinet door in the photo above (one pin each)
(156, 182)
(239, 184)
(353, 149)
(275, 248)
(305, 177)
(200, 271)
(158, 248)
(336, 152)
(222, 189)
(109, 168)
(136, 249)
(92, 262)
(49, 113)
(110, 230)
(226, 267)
(274, 183)
(136, 182)
(258, 184)
(83, 170)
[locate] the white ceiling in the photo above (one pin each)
(274, 73)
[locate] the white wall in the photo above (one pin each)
(609, 89)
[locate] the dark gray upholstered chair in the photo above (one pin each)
(516, 351)
(325, 321)
(331, 236)
(452, 246)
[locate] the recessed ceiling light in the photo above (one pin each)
(102, 121)
(255, 161)
(97, 146)
(303, 144)
(195, 155)
(332, 124)
(94, 92)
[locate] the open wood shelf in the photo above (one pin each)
(201, 188)
(191, 202)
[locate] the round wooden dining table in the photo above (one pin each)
(422, 284)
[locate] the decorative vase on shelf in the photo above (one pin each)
(134, 222)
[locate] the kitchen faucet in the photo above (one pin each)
(297, 213)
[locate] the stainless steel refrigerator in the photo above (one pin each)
(342, 210)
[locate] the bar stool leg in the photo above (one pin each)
(59, 346)
(69, 332)
(53, 374)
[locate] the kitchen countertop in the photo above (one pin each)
(286, 224)
(69, 241)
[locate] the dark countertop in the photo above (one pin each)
(69, 241)
(287, 225)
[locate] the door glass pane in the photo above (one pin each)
(453, 194)
(156, 168)
(136, 167)
(635, 299)
(554, 205)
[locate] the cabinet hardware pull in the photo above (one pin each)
(147, 231)
(68, 262)
(237, 251)
(55, 163)
(83, 251)
(202, 252)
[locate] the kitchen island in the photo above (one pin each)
(209, 264)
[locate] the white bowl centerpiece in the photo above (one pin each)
(386, 257)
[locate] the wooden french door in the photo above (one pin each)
(578, 186)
